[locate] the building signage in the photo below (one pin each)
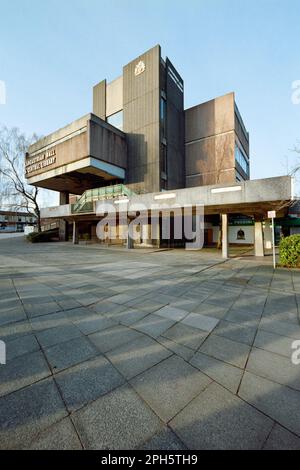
(41, 160)
(139, 68)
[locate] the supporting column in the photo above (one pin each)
(63, 224)
(225, 250)
(268, 235)
(258, 239)
(75, 233)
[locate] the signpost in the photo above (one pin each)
(272, 216)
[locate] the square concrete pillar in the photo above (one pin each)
(63, 230)
(258, 239)
(75, 233)
(63, 198)
(225, 249)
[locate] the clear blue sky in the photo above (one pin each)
(53, 51)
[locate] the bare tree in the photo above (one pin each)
(14, 190)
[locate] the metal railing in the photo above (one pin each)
(85, 202)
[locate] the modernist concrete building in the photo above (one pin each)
(140, 141)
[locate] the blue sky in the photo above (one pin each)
(53, 51)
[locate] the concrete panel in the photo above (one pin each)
(141, 95)
(114, 96)
(210, 118)
(99, 99)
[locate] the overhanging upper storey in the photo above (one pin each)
(86, 154)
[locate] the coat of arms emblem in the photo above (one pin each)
(139, 68)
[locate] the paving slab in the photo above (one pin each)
(60, 436)
(87, 381)
(217, 419)
(164, 440)
(114, 337)
(20, 346)
(282, 439)
(70, 353)
(37, 309)
(274, 343)
(25, 413)
(186, 335)
(57, 335)
(153, 325)
(202, 322)
(119, 420)
(242, 333)
(137, 356)
(179, 349)
(22, 371)
(92, 323)
(274, 367)
(172, 313)
(280, 327)
(176, 384)
(12, 315)
(223, 373)
(49, 321)
(226, 350)
(277, 401)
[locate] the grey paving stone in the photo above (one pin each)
(67, 354)
(280, 327)
(24, 414)
(19, 346)
(281, 439)
(87, 381)
(172, 313)
(49, 321)
(226, 350)
(274, 343)
(170, 375)
(114, 337)
(185, 304)
(92, 323)
(130, 316)
(137, 356)
(210, 310)
(223, 373)
(22, 371)
(163, 440)
(277, 401)
(186, 335)
(202, 322)
(12, 331)
(38, 309)
(179, 349)
(217, 419)
(153, 325)
(274, 367)
(60, 436)
(12, 315)
(235, 331)
(57, 335)
(238, 315)
(119, 420)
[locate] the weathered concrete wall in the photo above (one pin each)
(141, 96)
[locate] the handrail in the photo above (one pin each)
(96, 194)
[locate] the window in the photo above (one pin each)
(163, 117)
(116, 120)
(241, 159)
(163, 160)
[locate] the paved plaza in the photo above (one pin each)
(146, 349)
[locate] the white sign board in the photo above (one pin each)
(271, 214)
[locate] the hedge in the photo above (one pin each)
(289, 251)
(42, 237)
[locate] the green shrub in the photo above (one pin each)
(289, 251)
(42, 237)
